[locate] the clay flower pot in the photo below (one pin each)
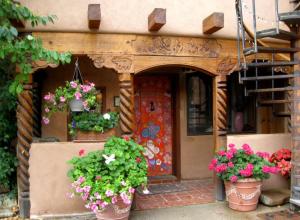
(118, 211)
(244, 194)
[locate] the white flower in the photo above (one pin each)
(109, 159)
(106, 116)
(146, 191)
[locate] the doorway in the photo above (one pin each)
(154, 112)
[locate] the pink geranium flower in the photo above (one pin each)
(47, 110)
(247, 149)
(230, 164)
(46, 120)
(62, 99)
(233, 178)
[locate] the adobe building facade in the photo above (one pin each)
(178, 88)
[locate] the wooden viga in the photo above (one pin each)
(25, 135)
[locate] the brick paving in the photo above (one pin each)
(196, 192)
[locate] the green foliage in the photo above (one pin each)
(93, 121)
(8, 164)
(8, 129)
(94, 176)
(24, 50)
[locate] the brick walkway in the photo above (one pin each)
(196, 192)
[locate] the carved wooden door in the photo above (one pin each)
(153, 111)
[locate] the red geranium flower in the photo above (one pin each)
(81, 152)
(126, 138)
(138, 160)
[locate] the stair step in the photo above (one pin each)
(260, 49)
(276, 101)
(255, 78)
(278, 34)
(297, 6)
(290, 18)
(289, 88)
(282, 114)
(270, 64)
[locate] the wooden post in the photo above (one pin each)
(219, 124)
(157, 19)
(25, 134)
(295, 122)
(126, 104)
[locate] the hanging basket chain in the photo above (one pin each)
(77, 76)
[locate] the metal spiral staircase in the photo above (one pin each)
(273, 81)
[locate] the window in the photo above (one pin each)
(199, 104)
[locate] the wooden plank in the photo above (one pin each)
(157, 19)
(94, 16)
(213, 23)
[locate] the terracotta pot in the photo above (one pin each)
(90, 136)
(244, 194)
(116, 211)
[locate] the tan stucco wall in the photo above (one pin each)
(49, 183)
(196, 151)
(53, 78)
(184, 17)
(269, 143)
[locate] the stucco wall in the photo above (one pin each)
(184, 17)
(49, 183)
(53, 78)
(196, 151)
(269, 143)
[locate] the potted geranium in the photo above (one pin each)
(93, 126)
(242, 171)
(73, 95)
(106, 179)
(282, 159)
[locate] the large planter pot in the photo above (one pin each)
(244, 194)
(76, 105)
(118, 211)
(91, 136)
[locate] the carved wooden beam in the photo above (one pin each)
(120, 63)
(213, 23)
(94, 16)
(157, 19)
(25, 134)
(126, 104)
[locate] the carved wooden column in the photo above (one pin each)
(219, 123)
(126, 103)
(25, 134)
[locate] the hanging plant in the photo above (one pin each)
(72, 92)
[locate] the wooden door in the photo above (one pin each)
(154, 122)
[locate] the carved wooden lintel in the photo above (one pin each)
(36, 65)
(120, 63)
(226, 66)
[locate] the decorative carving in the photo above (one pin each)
(182, 47)
(126, 107)
(121, 64)
(25, 134)
(226, 66)
(42, 65)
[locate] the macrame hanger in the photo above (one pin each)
(77, 74)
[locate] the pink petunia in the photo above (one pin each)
(46, 120)
(73, 84)
(77, 95)
(62, 99)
